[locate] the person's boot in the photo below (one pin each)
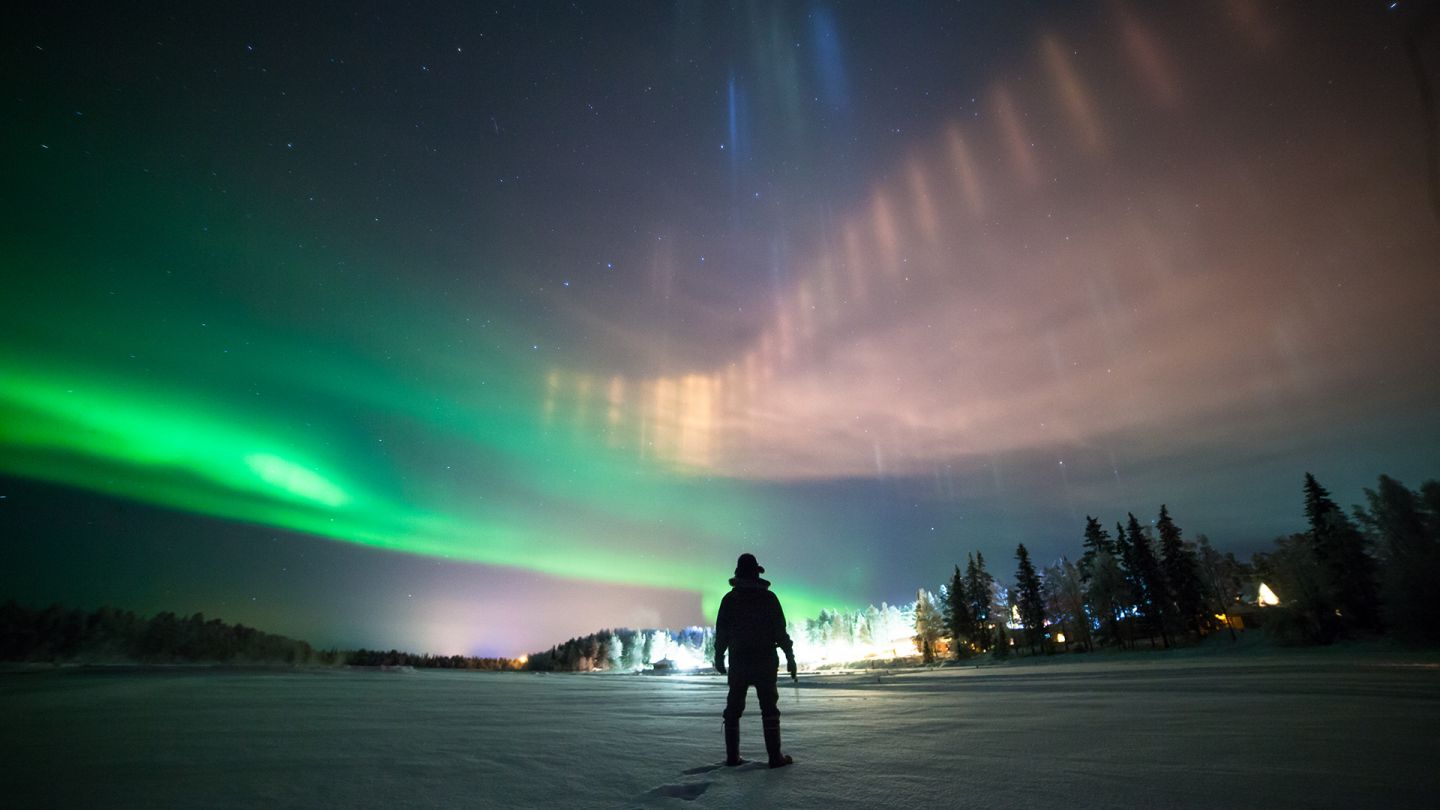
(778, 759)
(732, 743)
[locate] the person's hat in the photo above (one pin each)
(747, 566)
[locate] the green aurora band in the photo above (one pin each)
(347, 429)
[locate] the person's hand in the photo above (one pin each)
(790, 667)
(720, 664)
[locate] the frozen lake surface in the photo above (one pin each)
(1290, 730)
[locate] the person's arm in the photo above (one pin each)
(782, 637)
(722, 633)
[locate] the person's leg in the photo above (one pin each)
(769, 695)
(735, 700)
(734, 707)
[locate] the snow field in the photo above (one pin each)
(1286, 731)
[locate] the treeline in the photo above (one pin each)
(396, 658)
(854, 633)
(625, 649)
(55, 634)
(1369, 572)
(1141, 584)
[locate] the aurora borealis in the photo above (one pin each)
(467, 329)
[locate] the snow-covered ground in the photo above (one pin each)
(1285, 730)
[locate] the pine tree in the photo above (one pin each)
(1347, 570)
(959, 621)
(1132, 591)
(1430, 501)
(1030, 600)
(872, 627)
(647, 648)
(1097, 541)
(1407, 526)
(1178, 562)
(707, 652)
(1153, 591)
(929, 625)
(1125, 555)
(980, 590)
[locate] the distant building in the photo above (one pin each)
(1248, 611)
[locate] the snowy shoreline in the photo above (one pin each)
(1251, 648)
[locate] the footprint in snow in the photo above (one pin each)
(686, 792)
(745, 765)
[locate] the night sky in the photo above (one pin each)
(469, 329)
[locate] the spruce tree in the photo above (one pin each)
(978, 623)
(929, 624)
(1030, 600)
(959, 621)
(980, 590)
(1153, 591)
(873, 627)
(1097, 541)
(1347, 570)
(1125, 555)
(1132, 591)
(1407, 526)
(1181, 572)
(1430, 500)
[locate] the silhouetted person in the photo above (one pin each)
(751, 625)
